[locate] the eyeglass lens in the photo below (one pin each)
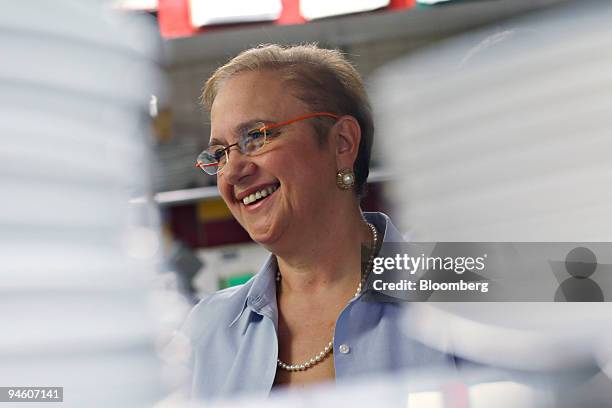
(212, 160)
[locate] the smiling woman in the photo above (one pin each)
(290, 147)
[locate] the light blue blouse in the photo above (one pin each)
(235, 346)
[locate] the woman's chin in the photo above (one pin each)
(263, 235)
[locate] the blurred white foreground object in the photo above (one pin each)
(76, 259)
(505, 136)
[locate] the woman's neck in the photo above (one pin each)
(327, 256)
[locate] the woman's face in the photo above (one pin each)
(293, 163)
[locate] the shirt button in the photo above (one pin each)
(344, 348)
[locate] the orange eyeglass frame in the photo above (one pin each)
(299, 118)
(276, 125)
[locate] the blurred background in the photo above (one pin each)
(493, 124)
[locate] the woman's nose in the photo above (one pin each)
(238, 166)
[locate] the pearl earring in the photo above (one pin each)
(345, 179)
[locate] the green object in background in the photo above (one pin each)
(234, 280)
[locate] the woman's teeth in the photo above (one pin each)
(258, 195)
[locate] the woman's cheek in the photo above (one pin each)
(226, 194)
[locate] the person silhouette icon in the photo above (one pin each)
(580, 263)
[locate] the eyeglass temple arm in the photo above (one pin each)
(309, 116)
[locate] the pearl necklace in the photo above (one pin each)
(330, 346)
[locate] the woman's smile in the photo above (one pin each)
(257, 198)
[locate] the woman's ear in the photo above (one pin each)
(347, 134)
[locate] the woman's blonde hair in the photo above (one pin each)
(322, 78)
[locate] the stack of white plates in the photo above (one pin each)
(504, 135)
(75, 258)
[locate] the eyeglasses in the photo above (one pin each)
(251, 140)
